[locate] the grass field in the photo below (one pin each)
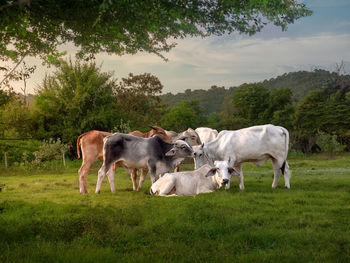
(43, 218)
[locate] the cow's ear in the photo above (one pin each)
(171, 152)
(152, 127)
(233, 171)
(183, 138)
(211, 172)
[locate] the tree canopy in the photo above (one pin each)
(184, 115)
(138, 100)
(38, 27)
(77, 98)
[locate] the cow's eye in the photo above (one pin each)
(230, 170)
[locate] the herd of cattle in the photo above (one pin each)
(217, 157)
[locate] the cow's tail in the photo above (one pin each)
(285, 167)
(78, 144)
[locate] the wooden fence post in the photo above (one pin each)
(64, 160)
(6, 164)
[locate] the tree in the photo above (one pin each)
(281, 111)
(138, 100)
(327, 111)
(38, 27)
(22, 74)
(75, 99)
(16, 120)
(187, 114)
(250, 103)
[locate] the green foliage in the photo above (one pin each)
(138, 100)
(249, 104)
(205, 98)
(18, 151)
(37, 28)
(5, 97)
(328, 111)
(329, 143)
(49, 150)
(301, 82)
(122, 127)
(75, 99)
(16, 120)
(184, 115)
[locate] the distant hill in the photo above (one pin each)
(300, 83)
(210, 100)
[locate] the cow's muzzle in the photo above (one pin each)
(225, 181)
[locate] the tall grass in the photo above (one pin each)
(43, 218)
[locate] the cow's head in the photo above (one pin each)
(191, 137)
(160, 132)
(181, 149)
(201, 157)
(223, 172)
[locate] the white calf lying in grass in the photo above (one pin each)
(203, 180)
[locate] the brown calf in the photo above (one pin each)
(91, 144)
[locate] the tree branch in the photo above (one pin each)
(9, 74)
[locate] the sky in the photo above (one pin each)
(319, 41)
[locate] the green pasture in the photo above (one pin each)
(43, 218)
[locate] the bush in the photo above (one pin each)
(329, 143)
(18, 151)
(50, 150)
(122, 127)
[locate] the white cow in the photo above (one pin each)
(255, 144)
(206, 134)
(203, 180)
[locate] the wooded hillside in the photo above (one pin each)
(300, 83)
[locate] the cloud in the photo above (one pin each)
(198, 63)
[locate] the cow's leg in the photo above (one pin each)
(153, 171)
(133, 177)
(167, 186)
(227, 186)
(177, 169)
(286, 176)
(276, 172)
(101, 175)
(144, 172)
(83, 172)
(241, 181)
(110, 175)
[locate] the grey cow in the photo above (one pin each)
(152, 153)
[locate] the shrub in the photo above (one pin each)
(329, 143)
(50, 150)
(18, 151)
(123, 127)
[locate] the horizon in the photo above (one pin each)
(228, 87)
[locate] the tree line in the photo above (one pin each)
(79, 97)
